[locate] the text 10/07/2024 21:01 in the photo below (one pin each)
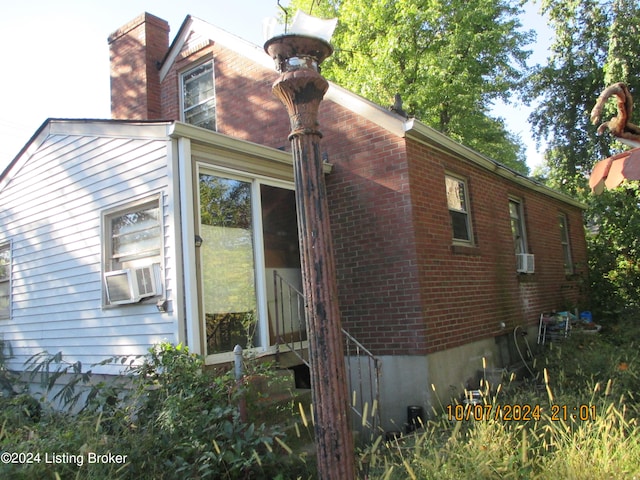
(517, 413)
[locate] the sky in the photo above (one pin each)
(56, 57)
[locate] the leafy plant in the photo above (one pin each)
(614, 248)
(170, 416)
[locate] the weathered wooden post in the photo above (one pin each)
(300, 87)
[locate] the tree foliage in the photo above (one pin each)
(623, 59)
(614, 245)
(597, 43)
(449, 60)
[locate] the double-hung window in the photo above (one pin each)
(458, 204)
(132, 251)
(199, 97)
(517, 226)
(566, 247)
(5, 281)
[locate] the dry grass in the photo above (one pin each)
(598, 375)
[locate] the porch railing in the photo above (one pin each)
(290, 325)
(363, 381)
(362, 367)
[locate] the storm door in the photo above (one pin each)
(248, 229)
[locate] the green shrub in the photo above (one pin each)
(172, 418)
(613, 245)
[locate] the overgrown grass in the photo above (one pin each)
(587, 426)
(176, 420)
(606, 447)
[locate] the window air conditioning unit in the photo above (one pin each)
(132, 284)
(525, 263)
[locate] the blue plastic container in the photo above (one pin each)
(586, 317)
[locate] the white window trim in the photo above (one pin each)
(259, 261)
(215, 101)
(8, 246)
(461, 241)
(106, 245)
(522, 223)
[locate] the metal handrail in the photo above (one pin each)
(363, 367)
(363, 377)
(294, 309)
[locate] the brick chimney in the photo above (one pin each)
(136, 50)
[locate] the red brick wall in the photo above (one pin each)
(136, 51)
(245, 106)
(403, 289)
(374, 242)
(467, 292)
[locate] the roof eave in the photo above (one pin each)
(422, 133)
(40, 132)
(224, 142)
(53, 126)
(390, 121)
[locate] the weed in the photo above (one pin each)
(173, 418)
(167, 418)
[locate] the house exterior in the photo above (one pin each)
(168, 221)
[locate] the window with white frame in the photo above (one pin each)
(566, 247)
(132, 251)
(458, 204)
(198, 96)
(5, 281)
(516, 214)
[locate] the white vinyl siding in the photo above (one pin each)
(51, 209)
(5, 281)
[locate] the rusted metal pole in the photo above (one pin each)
(301, 88)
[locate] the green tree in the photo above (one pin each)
(566, 89)
(623, 59)
(614, 247)
(449, 60)
(597, 43)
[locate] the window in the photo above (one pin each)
(249, 231)
(517, 226)
(458, 203)
(198, 96)
(132, 240)
(229, 267)
(566, 248)
(5, 281)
